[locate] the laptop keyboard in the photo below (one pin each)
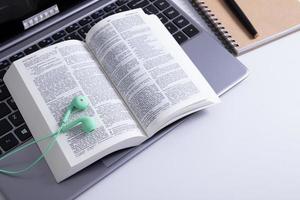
(13, 130)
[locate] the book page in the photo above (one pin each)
(65, 70)
(149, 69)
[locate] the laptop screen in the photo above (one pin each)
(17, 16)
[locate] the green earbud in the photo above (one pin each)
(78, 103)
(88, 124)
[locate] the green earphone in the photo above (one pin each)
(87, 124)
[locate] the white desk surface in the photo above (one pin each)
(247, 147)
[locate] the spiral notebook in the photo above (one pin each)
(271, 18)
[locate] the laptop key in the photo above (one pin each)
(12, 104)
(4, 110)
(59, 35)
(16, 118)
(8, 142)
(138, 3)
(5, 127)
(121, 9)
(4, 64)
(16, 56)
(110, 7)
(83, 31)
(3, 92)
(181, 22)
(150, 10)
(171, 27)
(171, 13)
(191, 30)
(97, 14)
(162, 18)
(2, 72)
(23, 133)
(180, 37)
(45, 42)
(92, 24)
(161, 4)
(72, 28)
(73, 36)
(31, 49)
(85, 21)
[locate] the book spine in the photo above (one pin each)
(216, 26)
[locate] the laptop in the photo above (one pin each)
(27, 26)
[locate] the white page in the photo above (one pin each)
(135, 49)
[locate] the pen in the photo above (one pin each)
(237, 11)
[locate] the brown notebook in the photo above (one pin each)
(271, 18)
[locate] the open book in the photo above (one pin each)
(137, 78)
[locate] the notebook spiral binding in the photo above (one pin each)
(215, 25)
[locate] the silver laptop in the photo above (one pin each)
(27, 26)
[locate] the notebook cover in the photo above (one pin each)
(271, 18)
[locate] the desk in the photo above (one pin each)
(247, 147)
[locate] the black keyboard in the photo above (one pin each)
(13, 130)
